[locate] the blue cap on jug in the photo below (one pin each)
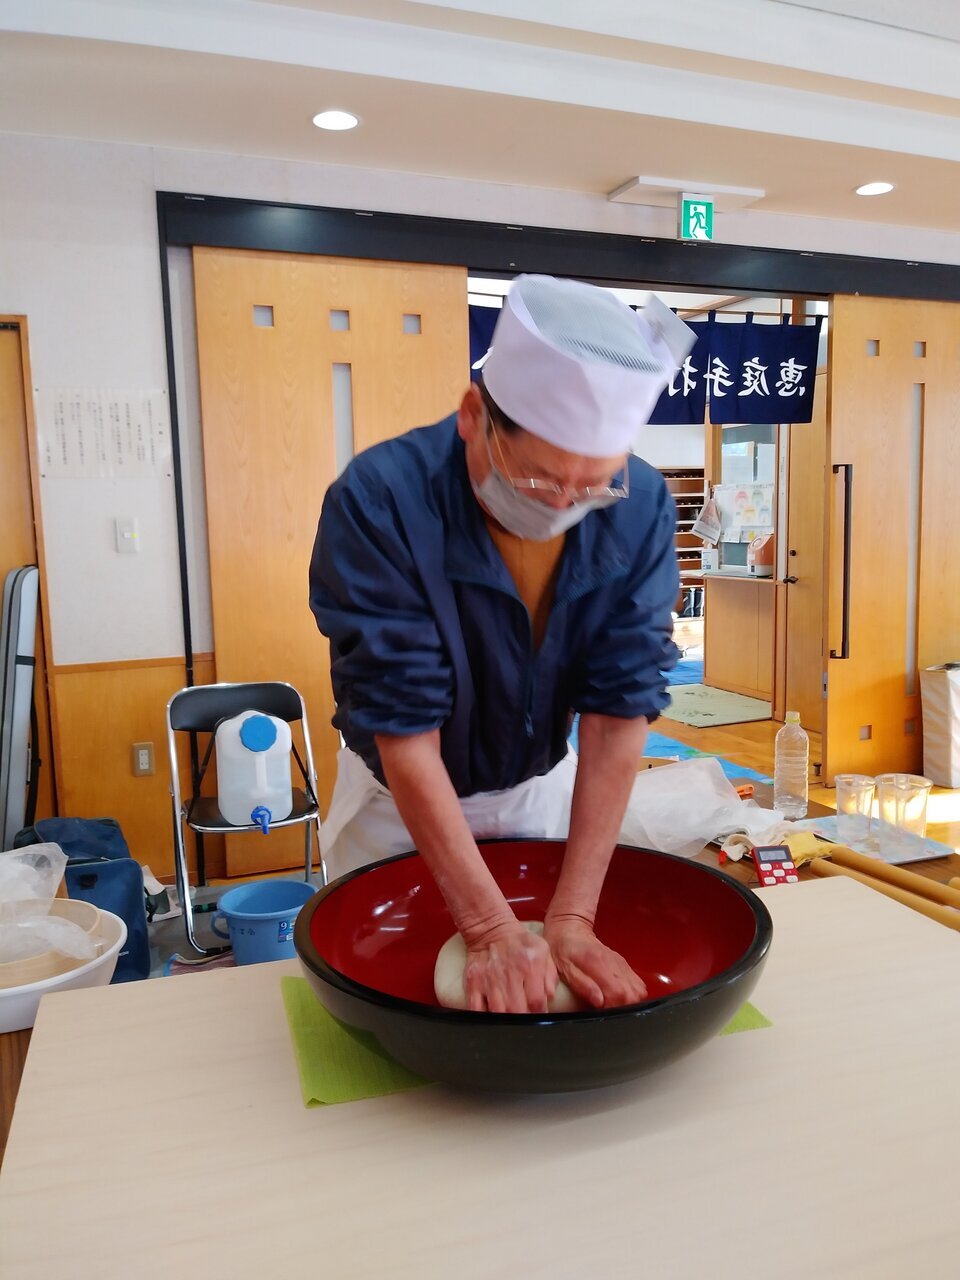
(258, 733)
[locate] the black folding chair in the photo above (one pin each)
(200, 709)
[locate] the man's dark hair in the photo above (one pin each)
(500, 419)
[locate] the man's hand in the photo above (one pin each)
(592, 971)
(509, 970)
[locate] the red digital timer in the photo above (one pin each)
(774, 864)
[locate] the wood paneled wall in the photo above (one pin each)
(102, 710)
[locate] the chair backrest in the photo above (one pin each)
(202, 707)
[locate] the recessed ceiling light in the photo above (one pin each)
(874, 188)
(336, 120)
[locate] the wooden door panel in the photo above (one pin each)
(766, 615)
(402, 379)
(18, 530)
(267, 396)
(730, 635)
(939, 596)
(902, 444)
(268, 456)
(805, 537)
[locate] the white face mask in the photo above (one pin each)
(526, 517)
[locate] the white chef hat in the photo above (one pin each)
(577, 367)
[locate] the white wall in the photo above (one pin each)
(679, 446)
(79, 258)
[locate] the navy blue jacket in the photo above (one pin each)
(427, 630)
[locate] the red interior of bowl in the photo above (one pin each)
(675, 923)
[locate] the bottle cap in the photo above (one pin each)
(258, 733)
(793, 717)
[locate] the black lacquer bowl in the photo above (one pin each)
(368, 943)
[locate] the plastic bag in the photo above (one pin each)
(30, 873)
(681, 807)
(29, 879)
(24, 939)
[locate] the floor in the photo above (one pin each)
(168, 938)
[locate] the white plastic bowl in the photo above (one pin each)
(18, 1005)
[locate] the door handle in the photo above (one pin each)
(792, 578)
(847, 469)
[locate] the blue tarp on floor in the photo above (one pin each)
(687, 671)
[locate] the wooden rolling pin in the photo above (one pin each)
(904, 879)
(942, 915)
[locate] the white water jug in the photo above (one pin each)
(253, 769)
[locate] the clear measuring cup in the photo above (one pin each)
(902, 799)
(855, 793)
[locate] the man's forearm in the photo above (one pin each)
(610, 751)
(428, 804)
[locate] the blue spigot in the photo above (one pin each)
(261, 815)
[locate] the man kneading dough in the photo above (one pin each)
(481, 580)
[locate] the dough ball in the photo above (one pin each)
(452, 960)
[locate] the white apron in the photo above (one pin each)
(364, 825)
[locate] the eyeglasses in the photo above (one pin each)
(619, 487)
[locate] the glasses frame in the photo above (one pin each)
(535, 485)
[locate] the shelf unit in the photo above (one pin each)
(688, 487)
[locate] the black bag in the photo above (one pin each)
(100, 870)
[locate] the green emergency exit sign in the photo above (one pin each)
(694, 217)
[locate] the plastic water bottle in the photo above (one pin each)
(791, 764)
(253, 770)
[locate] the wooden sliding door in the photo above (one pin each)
(302, 359)
(894, 433)
(803, 593)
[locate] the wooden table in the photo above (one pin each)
(13, 1047)
(160, 1129)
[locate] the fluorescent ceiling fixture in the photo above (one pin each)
(336, 120)
(874, 188)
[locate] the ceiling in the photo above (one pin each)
(803, 101)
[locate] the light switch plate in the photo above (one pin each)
(127, 534)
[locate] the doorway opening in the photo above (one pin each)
(749, 636)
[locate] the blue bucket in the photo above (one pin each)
(259, 918)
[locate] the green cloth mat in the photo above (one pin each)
(336, 1067)
(333, 1065)
(747, 1018)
